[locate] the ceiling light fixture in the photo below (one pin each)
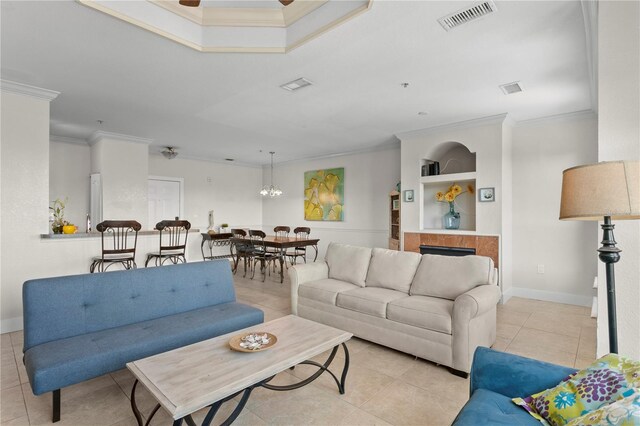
(271, 190)
(511, 88)
(423, 113)
(296, 84)
(169, 153)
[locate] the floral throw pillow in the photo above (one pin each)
(603, 382)
(624, 412)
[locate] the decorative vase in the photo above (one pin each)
(452, 218)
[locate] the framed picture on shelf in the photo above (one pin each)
(486, 195)
(396, 204)
(408, 196)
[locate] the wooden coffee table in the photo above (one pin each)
(209, 373)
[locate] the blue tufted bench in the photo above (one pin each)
(83, 326)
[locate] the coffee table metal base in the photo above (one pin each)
(246, 393)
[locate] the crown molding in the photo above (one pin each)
(492, 119)
(65, 139)
(387, 146)
(212, 160)
(575, 115)
(99, 135)
(27, 90)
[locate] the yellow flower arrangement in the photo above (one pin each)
(453, 192)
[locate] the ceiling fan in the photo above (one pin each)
(196, 3)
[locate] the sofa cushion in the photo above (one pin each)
(448, 277)
(491, 408)
(64, 362)
(369, 300)
(431, 313)
(325, 291)
(348, 263)
(392, 269)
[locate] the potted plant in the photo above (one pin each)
(58, 224)
(223, 227)
(452, 218)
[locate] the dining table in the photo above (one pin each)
(281, 244)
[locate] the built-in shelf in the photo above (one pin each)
(453, 177)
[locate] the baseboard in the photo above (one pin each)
(549, 296)
(506, 295)
(10, 325)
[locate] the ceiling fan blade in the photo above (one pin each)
(286, 2)
(190, 3)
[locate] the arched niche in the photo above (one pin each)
(453, 157)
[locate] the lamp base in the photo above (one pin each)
(609, 255)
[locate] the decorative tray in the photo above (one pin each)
(253, 342)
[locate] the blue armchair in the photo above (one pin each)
(496, 378)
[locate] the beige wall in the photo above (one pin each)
(69, 169)
(541, 151)
(619, 139)
(369, 178)
(25, 194)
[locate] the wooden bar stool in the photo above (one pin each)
(119, 239)
(173, 246)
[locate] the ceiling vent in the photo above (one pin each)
(296, 84)
(463, 16)
(511, 88)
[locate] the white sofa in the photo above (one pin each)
(435, 307)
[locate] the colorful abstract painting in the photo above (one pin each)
(324, 195)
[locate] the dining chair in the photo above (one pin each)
(119, 240)
(173, 242)
(243, 248)
(302, 233)
(261, 254)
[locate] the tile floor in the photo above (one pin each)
(383, 387)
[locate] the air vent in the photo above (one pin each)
(463, 16)
(511, 88)
(296, 84)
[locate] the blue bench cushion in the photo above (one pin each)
(490, 408)
(64, 362)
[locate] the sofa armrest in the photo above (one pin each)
(476, 301)
(513, 375)
(303, 273)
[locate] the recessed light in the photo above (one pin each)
(511, 88)
(423, 113)
(229, 159)
(296, 84)
(404, 85)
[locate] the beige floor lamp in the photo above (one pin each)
(603, 191)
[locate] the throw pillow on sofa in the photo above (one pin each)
(392, 269)
(448, 277)
(624, 412)
(348, 263)
(606, 380)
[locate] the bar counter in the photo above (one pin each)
(95, 234)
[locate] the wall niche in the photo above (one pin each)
(456, 164)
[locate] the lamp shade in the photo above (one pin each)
(593, 191)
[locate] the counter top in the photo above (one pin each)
(95, 234)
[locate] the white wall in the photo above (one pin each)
(619, 139)
(369, 178)
(567, 249)
(124, 168)
(25, 197)
(69, 170)
(231, 191)
(483, 137)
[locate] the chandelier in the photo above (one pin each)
(271, 190)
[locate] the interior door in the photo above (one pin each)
(164, 200)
